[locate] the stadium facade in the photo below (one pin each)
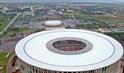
(68, 51)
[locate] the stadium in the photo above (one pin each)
(68, 51)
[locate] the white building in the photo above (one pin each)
(53, 24)
(69, 51)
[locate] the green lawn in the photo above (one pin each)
(21, 29)
(4, 21)
(101, 18)
(3, 61)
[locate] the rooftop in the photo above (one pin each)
(98, 50)
(53, 23)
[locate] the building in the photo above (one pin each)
(50, 16)
(68, 51)
(3, 8)
(53, 24)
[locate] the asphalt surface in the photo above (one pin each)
(9, 45)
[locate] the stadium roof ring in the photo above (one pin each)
(78, 46)
(98, 50)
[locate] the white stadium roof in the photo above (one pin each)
(53, 23)
(33, 50)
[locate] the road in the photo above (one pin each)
(9, 45)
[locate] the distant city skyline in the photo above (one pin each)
(61, 0)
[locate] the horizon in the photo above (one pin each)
(99, 1)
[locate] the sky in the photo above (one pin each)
(61, 0)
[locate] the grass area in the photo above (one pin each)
(110, 19)
(66, 15)
(3, 61)
(14, 30)
(96, 16)
(115, 34)
(4, 34)
(20, 29)
(4, 21)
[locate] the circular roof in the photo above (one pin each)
(53, 23)
(104, 51)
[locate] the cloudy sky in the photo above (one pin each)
(61, 0)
